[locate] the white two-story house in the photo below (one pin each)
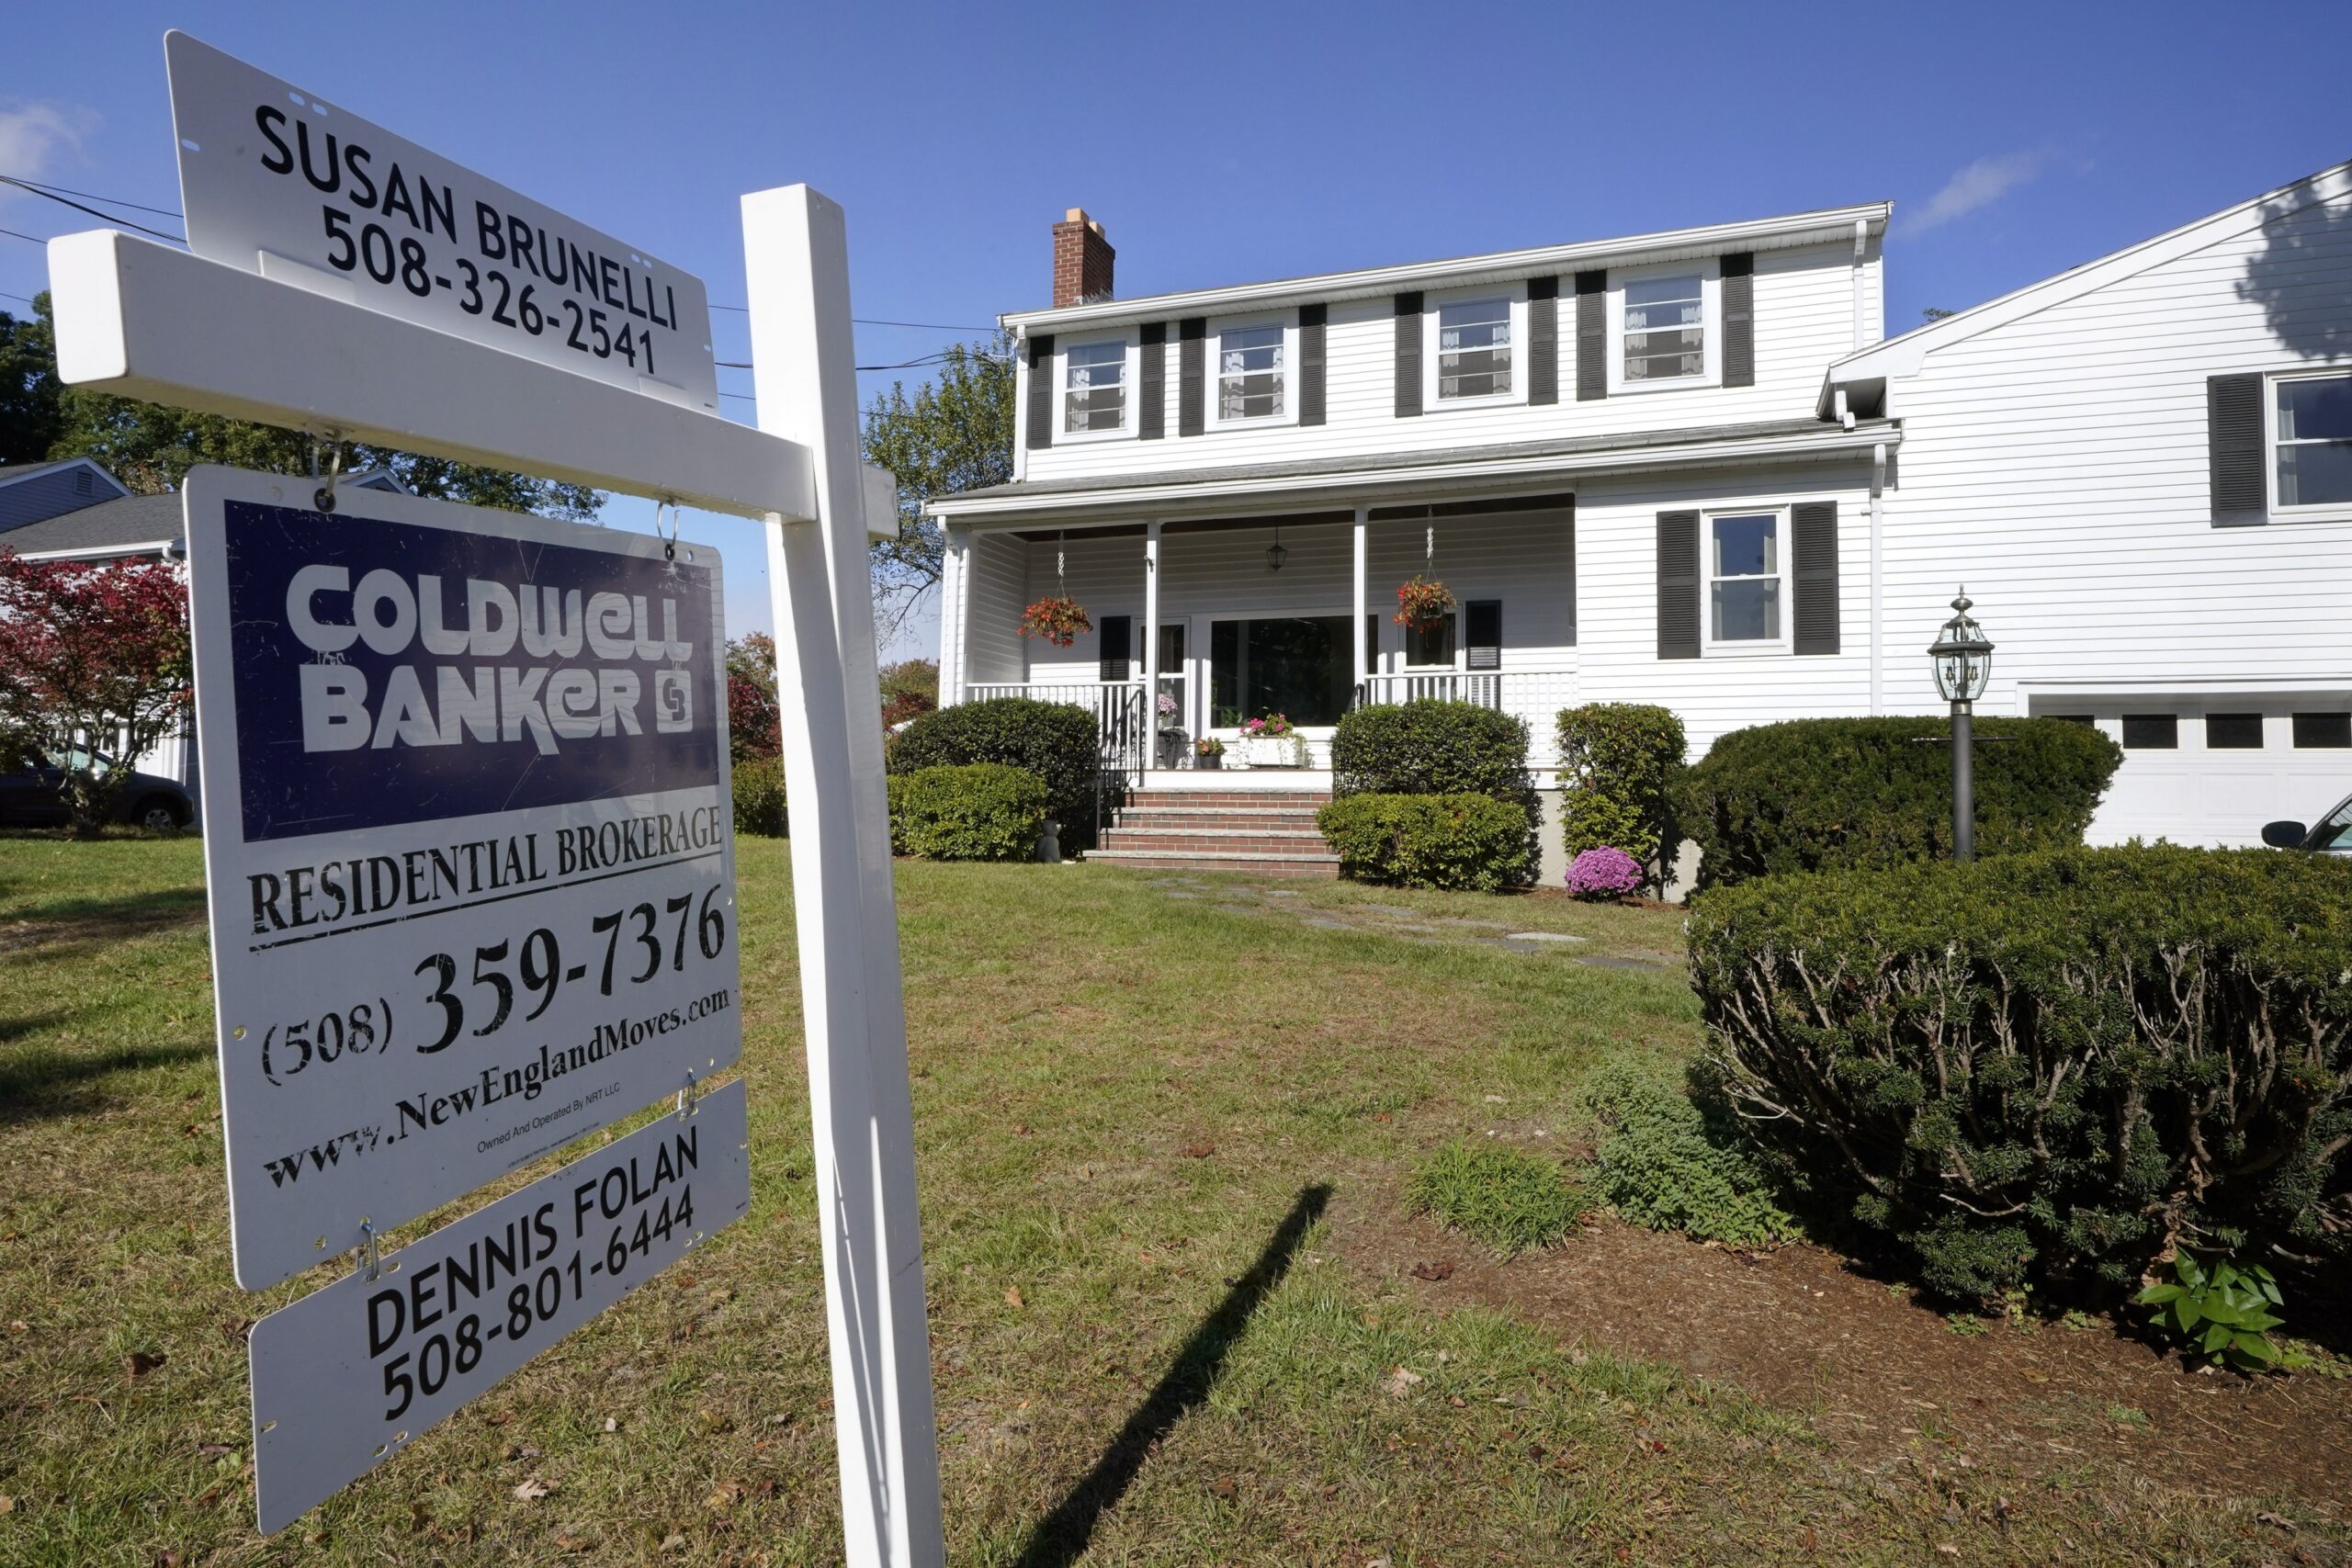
(1684, 468)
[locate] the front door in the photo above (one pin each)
(1297, 665)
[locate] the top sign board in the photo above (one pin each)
(467, 845)
(277, 182)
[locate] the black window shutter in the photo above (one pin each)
(1372, 644)
(1542, 341)
(1739, 320)
(1482, 633)
(1592, 335)
(1678, 585)
(1191, 348)
(1572, 576)
(1409, 356)
(1311, 320)
(1814, 557)
(1152, 413)
(2234, 450)
(1041, 392)
(1115, 636)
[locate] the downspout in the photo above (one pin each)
(1861, 248)
(1878, 578)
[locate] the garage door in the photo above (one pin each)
(2213, 769)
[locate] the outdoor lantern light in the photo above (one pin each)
(1963, 657)
(1276, 554)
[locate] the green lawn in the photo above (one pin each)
(1133, 1096)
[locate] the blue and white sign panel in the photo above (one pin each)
(468, 842)
(349, 1375)
(278, 181)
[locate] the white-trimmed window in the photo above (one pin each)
(1746, 577)
(1250, 363)
(2310, 434)
(1664, 328)
(1474, 348)
(1095, 387)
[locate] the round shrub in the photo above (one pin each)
(1662, 1162)
(1428, 840)
(984, 811)
(2046, 1066)
(1055, 741)
(1824, 794)
(1604, 873)
(758, 789)
(1430, 747)
(1617, 763)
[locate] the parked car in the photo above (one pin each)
(33, 795)
(2330, 836)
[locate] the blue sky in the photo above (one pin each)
(1220, 143)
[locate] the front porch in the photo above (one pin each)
(1200, 625)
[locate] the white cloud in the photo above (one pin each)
(1976, 186)
(34, 136)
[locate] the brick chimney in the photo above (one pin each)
(1082, 258)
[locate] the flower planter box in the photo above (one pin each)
(1280, 752)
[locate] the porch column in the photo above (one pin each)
(953, 660)
(1355, 622)
(1151, 645)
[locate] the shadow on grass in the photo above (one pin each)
(86, 922)
(1062, 1536)
(40, 1081)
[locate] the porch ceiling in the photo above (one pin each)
(1426, 474)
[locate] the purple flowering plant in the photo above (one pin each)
(1604, 872)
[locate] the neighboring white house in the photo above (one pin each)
(1684, 468)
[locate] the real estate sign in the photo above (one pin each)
(346, 1377)
(274, 180)
(468, 843)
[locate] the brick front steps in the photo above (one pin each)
(1267, 832)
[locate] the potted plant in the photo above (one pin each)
(1208, 751)
(1056, 618)
(1423, 603)
(1273, 741)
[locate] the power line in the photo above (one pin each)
(14, 235)
(78, 207)
(110, 200)
(5, 295)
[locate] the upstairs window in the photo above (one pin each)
(1250, 372)
(1094, 395)
(1474, 349)
(2313, 433)
(1743, 579)
(1666, 333)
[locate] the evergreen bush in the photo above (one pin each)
(1055, 741)
(758, 789)
(1428, 840)
(1432, 747)
(2046, 1068)
(1824, 794)
(1618, 760)
(983, 811)
(1662, 1162)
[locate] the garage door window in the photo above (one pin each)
(2151, 732)
(2324, 731)
(2234, 732)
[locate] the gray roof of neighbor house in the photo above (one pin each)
(107, 528)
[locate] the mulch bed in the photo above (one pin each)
(1878, 1374)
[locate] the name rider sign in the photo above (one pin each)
(468, 844)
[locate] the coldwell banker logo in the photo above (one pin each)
(389, 672)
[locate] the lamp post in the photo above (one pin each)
(1963, 657)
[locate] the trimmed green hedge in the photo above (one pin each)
(1617, 763)
(1428, 840)
(1824, 794)
(2046, 1066)
(1432, 747)
(1053, 741)
(758, 788)
(984, 811)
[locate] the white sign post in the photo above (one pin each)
(142, 321)
(467, 845)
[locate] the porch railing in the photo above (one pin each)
(1121, 728)
(1535, 696)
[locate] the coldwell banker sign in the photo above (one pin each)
(468, 843)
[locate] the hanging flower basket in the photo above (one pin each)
(1057, 619)
(1423, 603)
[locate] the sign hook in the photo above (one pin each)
(370, 1256)
(670, 539)
(323, 496)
